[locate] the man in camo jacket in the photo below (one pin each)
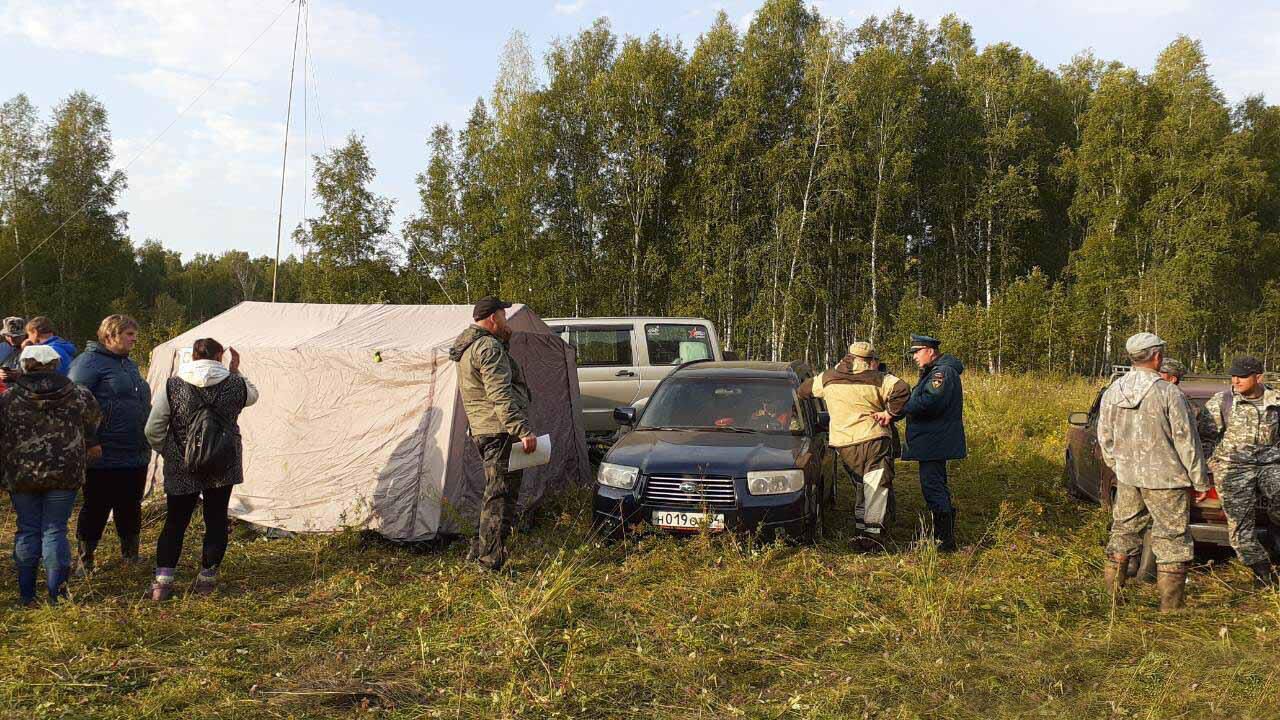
(1242, 424)
(1148, 438)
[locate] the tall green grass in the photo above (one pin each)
(1015, 625)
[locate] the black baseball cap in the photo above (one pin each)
(487, 306)
(1245, 366)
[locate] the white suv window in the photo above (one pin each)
(672, 344)
(600, 347)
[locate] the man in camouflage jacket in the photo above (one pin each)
(496, 400)
(1242, 425)
(1148, 438)
(48, 429)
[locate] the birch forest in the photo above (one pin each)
(802, 183)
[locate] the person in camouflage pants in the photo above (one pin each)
(496, 400)
(1242, 424)
(1147, 436)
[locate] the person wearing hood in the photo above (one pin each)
(116, 482)
(1148, 438)
(47, 434)
(205, 394)
(496, 400)
(935, 430)
(1241, 427)
(855, 391)
(40, 332)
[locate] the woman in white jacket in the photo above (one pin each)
(204, 383)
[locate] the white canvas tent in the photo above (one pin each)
(360, 423)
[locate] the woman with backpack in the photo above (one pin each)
(194, 425)
(115, 483)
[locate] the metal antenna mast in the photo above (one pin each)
(284, 161)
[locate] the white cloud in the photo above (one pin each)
(569, 8)
(1130, 8)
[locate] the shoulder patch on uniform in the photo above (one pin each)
(938, 378)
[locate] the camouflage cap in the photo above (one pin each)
(862, 350)
(14, 327)
(1173, 367)
(1142, 341)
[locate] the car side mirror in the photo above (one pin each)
(625, 416)
(824, 421)
(730, 355)
(1079, 419)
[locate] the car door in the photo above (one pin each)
(608, 376)
(1095, 477)
(666, 345)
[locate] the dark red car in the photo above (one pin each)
(1088, 478)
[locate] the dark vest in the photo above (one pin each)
(229, 398)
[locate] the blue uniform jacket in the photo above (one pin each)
(125, 399)
(935, 413)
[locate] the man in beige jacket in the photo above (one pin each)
(856, 391)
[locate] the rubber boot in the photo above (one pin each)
(129, 550)
(162, 587)
(1114, 574)
(56, 578)
(1171, 583)
(206, 581)
(1264, 575)
(944, 530)
(27, 585)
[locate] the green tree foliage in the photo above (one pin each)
(349, 254)
(801, 182)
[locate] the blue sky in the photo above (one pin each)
(391, 69)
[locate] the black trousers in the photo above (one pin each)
(111, 493)
(181, 508)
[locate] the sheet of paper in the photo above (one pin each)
(520, 460)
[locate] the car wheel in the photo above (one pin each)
(815, 529)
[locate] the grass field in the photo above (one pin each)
(1015, 625)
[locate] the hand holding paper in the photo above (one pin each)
(521, 460)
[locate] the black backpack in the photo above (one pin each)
(210, 447)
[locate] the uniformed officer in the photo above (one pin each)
(1243, 426)
(935, 431)
(1148, 438)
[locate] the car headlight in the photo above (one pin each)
(775, 482)
(617, 476)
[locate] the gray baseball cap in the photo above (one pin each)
(1142, 341)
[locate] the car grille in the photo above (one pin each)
(689, 492)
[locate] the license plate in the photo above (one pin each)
(688, 520)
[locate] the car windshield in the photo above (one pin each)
(728, 404)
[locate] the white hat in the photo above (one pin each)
(1142, 341)
(42, 354)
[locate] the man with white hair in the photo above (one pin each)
(856, 390)
(1149, 439)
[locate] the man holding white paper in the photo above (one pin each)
(496, 400)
